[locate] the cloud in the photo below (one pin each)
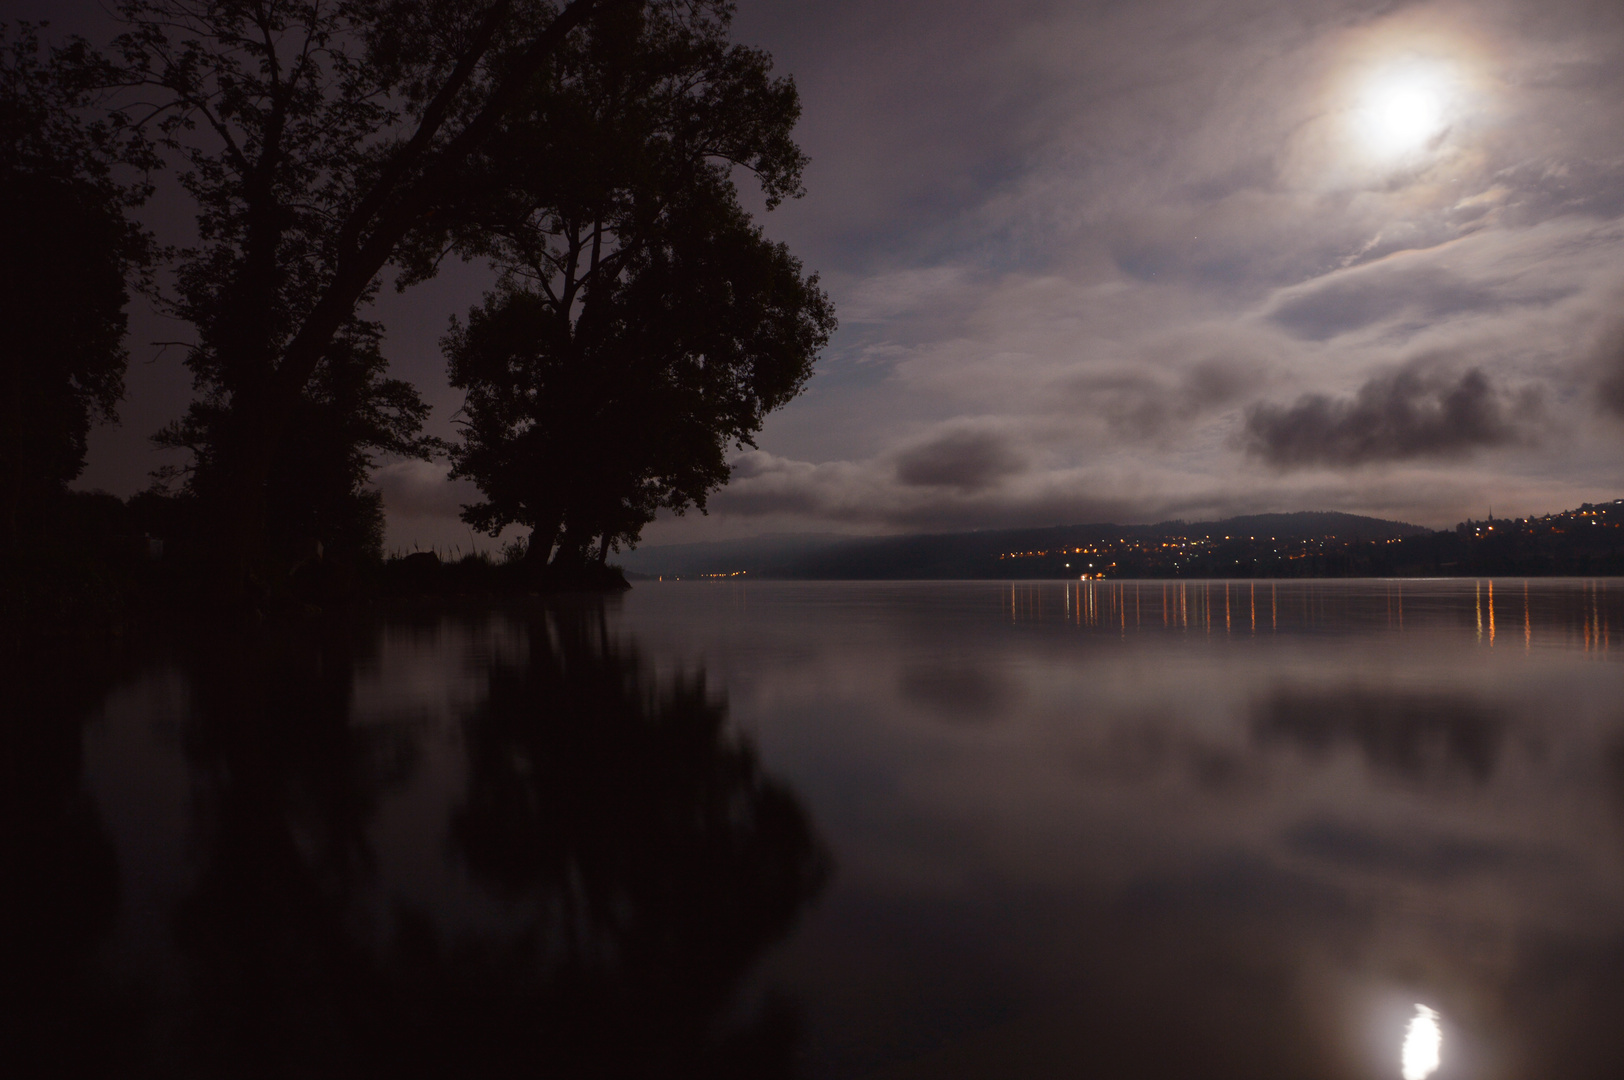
(966, 460)
(871, 494)
(1610, 388)
(1399, 416)
(1612, 391)
(1347, 305)
(884, 298)
(1181, 283)
(1144, 401)
(1408, 292)
(421, 489)
(770, 493)
(1540, 190)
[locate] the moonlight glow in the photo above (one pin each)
(1422, 1041)
(1402, 108)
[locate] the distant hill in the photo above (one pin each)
(1587, 541)
(1303, 523)
(998, 553)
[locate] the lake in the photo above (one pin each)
(868, 830)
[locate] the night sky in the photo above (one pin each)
(1134, 261)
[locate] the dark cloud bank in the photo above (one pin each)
(966, 460)
(1399, 416)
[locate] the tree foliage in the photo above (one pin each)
(311, 135)
(644, 325)
(66, 250)
(317, 490)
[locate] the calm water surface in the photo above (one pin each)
(836, 830)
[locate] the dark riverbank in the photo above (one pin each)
(102, 567)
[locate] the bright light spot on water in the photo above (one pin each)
(1422, 1041)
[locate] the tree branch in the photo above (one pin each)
(434, 116)
(355, 272)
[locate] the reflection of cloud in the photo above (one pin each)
(958, 690)
(1165, 816)
(1410, 734)
(1407, 854)
(1410, 413)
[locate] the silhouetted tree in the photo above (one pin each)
(644, 324)
(284, 793)
(312, 136)
(59, 872)
(316, 490)
(650, 856)
(66, 248)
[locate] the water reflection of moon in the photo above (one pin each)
(1423, 1040)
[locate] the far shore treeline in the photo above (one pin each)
(641, 326)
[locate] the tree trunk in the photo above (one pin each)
(238, 564)
(571, 554)
(539, 549)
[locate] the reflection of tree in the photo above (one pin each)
(650, 859)
(58, 869)
(285, 787)
(653, 857)
(1413, 735)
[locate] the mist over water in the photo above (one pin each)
(961, 829)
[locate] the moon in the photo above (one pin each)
(1402, 109)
